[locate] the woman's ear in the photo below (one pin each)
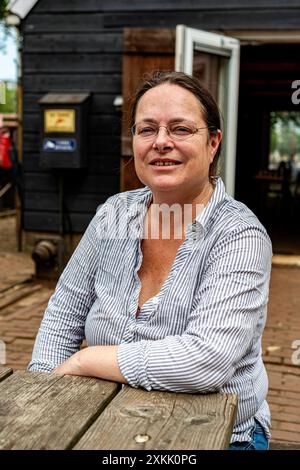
(214, 143)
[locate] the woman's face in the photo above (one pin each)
(164, 105)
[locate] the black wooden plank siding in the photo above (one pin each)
(49, 202)
(44, 221)
(100, 165)
(162, 5)
(213, 19)
(76, 45)
(51, 81)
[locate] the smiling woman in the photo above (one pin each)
(183, 312)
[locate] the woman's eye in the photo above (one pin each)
(181, 130)
(146, 131)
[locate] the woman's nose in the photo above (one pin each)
(162, 139)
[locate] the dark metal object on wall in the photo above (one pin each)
(64, 119)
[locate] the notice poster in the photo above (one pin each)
(59, 120)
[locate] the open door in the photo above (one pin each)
(214, 59)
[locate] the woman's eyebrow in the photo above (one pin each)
(180, 119)
(148, 120)
(171, 121)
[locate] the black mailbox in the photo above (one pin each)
(64, 118)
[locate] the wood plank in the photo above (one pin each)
(147, 40)
(27, 310)
(137, 419)
(7, 213)
(163, 5)
(97, 82)
(13, 284)
(198, 5)
(23, 269)
(104, 165)
(63, 23)
(48, 411)
(208, 19)
(85, 183)
(5, 372)
(68, 5)
(48, 221)
(72, 62)
(18, 294)
(36, 201)
(69, 42)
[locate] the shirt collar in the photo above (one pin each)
(203, 219)
(217, 197)
(139, 207)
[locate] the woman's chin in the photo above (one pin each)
(164, 184)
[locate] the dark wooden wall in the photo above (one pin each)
(76, 45)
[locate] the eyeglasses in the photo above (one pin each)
(177, 131)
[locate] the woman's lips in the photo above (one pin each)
(164, 164)
(165, 167)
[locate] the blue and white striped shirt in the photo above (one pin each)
(202, 331)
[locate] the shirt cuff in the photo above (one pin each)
(40, 367)
(133, 362)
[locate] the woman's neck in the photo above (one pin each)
(191, 198)
(170, 215)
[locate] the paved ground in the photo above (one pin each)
(22, 305)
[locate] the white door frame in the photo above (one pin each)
(188, 39)
(266, 37)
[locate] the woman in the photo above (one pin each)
(184, 311)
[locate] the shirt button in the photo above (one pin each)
(155, 300)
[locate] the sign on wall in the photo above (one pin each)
(59, 120)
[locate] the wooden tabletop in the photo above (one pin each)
(49, 411)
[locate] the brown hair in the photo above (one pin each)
(208, 105)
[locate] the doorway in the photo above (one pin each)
(265, 182)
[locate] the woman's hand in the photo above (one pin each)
(71, 366)
(94, 361)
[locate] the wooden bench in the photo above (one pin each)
(48, 411)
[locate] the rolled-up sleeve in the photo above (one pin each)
(227, 318)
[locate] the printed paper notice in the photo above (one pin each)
(59, 120)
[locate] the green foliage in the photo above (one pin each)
(10, 105)
(286, 117)
(285, 133)
(4, 29)
(3, 6)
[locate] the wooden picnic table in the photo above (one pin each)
(49, 411)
